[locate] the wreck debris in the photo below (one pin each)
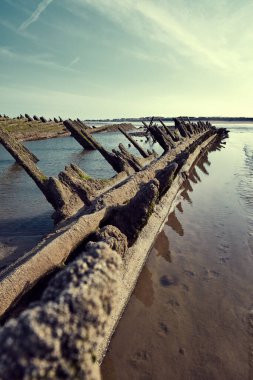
(14, 147)
(79, 134)
(57, 337)
(131, 218)
(135, 144)
(113, 210)
(163, 140)
(173, 135)
(117, 161)
(28, 117)
(73, 189)
(55, 191)
(43, 119)
(112, 236)
(60, 335)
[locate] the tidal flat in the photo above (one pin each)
(190, 316)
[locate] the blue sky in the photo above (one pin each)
(115, 58)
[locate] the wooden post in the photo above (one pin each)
(10, 142)
(161, 138)
(172, 136)
(78, 133)
(135, 144)
(85, 139)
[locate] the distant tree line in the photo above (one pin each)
(192, 118)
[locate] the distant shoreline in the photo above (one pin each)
(170, 119)
(25, 130)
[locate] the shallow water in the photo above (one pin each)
(25, 215)
(188, 317)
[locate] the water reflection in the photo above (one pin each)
(194, 177)
(175, 224)
(144, 290)
(203, 160)
(11, 172)
(218, 145)
(201, 165)
(186, 188)
(162, 245)
(180, 207)
(77, 157)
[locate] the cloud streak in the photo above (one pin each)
(35, 15)
(74, 61)
(36, 59)
(204, 33)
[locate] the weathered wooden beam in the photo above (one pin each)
(135, 144)
(130, 158)
(57, 338)
(78, 182)
(13, 146)
(43, 119)
(132, 217)
(187, 126)
(86, 187)
(164, 141)
(169, 132)
(25, 159)
(79, 134)
(82, 124)
(151, 121)
(54, 190)
(145, 124)
(117, 162)
(10, 143)
(170, 139)
(26, 271)
(183, 131)
(28, 117)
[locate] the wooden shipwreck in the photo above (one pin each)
(113, 224)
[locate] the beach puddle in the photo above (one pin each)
(190, 316)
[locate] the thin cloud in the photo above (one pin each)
(146, 56)
(6, 24)
(39, 59)
(189, 30)
(75, 60)
(35, 15)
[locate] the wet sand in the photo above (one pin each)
(190, 315)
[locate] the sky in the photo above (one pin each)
(97, 59)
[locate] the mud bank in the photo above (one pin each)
(33, 128)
